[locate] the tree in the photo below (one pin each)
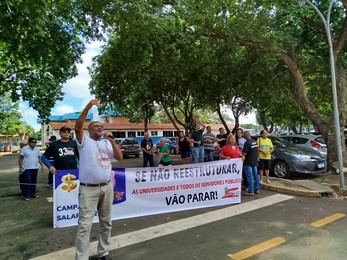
(40, 43)
(198, 55)
(11, 123)
(294, 34)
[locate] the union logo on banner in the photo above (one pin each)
(119, 187)
(231, 193)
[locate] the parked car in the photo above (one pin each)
(308, 140)
(288, 159)
(171, 142)
(128, 146)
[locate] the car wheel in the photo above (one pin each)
(280, 169)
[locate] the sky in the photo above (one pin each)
(77, 93)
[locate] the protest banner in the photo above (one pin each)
(155, 190)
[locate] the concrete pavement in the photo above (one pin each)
(298, 187)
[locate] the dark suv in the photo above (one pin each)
(128, 146)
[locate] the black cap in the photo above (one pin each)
(65, 128)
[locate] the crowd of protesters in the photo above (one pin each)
(195, 147)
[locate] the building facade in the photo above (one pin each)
(115, 123)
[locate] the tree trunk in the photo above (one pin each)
(326, 126)
(262, 116)
(222, 118)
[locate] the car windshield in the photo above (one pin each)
(118, 141)
(133, 141)
(280, 141)
(277, 141)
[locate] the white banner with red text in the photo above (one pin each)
(154, 190)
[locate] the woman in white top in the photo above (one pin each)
(29, 160)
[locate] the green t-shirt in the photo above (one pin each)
(197, 136)
(165, 158)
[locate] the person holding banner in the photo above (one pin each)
(165, 159)
(64, 153)
(95, 191)
(231, 150)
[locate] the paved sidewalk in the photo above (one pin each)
(298, 187)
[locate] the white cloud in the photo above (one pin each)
(63, 109)
(30, 114)
(78, 86)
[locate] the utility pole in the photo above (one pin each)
(326, 22)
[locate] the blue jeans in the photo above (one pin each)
(208, 155)
(146, 159)
(198, 154)
(252, 178)
(29, 179)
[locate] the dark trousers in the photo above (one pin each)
(146, 159)
(30, 179)
(50, 178)
(244, 178)
(21, 181)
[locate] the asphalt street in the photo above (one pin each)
(266, 226)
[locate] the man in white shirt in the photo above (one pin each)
(96, 191)
(29, 160)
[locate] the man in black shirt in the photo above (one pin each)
(250, 152)
(221, 140)
(51, 140)
(64, 152)
(147, 150)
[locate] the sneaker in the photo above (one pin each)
(34, 196)
(248, 193)
(25, 198)
(256, 192)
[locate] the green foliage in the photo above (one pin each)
(40, 43)
(11, 123)
(9, 115)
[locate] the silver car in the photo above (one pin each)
(128, 146)
(288, 159)
(315, 142)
